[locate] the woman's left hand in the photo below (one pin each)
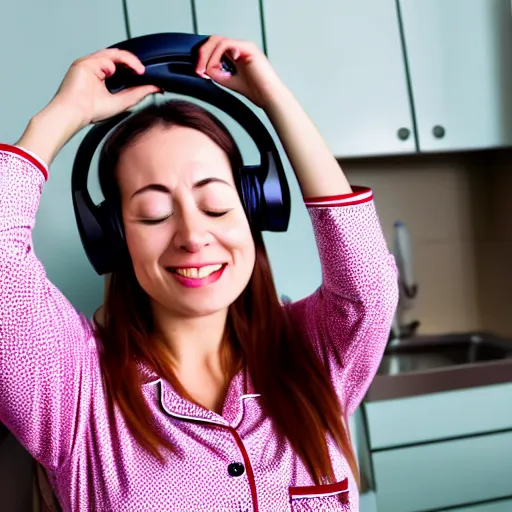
(254, 78)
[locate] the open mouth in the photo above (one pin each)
(197, 276)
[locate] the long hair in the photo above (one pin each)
(296, 392)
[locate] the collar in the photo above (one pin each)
(172, 403)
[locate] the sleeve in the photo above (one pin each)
(348, 318)
(46, 351)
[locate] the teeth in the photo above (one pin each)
(198, 273)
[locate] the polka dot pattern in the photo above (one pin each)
(52, 399)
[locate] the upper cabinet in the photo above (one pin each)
(459, 54)
(377, 77)
(343, 60)
(230, 18)
(152, 16)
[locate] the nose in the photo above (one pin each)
(191, 233)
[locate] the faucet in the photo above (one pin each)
(408, 288)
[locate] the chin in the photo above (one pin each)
(201, 309)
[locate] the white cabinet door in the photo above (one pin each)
(344, 62)
(437, 416)
(460, 61)
(230, 18)
(495, 506)
(44, 37)
(242, 20)
(446, 474)
(152, 16)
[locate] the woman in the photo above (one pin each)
(200, 392)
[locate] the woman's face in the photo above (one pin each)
(186, 230)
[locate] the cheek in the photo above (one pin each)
(238, 238)
(145, 245)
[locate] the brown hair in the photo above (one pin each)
(296, 392)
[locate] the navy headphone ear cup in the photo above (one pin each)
(113, 229)
(251, 194)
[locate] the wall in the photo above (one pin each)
(456, 207)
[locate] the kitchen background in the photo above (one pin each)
(414, 98)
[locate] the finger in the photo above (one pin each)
(123, 57)
(214, 66)
(204, 54)
(233, 49)
(130, 97)
(102, 67)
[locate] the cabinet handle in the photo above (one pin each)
(438, 131)
(403, 133)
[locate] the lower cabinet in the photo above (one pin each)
(441, 451)
(496, 506)
(444, 474)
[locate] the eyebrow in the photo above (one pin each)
(162, 188)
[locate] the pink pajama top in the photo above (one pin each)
(53, 401)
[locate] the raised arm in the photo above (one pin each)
(43, 340)
(349, 317)
(48, 358)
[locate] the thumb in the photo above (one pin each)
(130, 97)
(219, 75)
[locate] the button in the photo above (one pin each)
(403, 133)
(236, 469)
(438, 132)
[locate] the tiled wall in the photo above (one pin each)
(458, 211)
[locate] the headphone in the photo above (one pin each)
(169, 60)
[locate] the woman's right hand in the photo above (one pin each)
(83, 89)
(81, 99)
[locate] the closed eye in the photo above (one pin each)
(216, 214)
(152, 222)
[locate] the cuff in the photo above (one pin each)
(27, 155)
(359, 195)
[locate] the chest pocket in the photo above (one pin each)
(324, 498)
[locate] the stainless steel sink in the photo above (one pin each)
(431, 352)
(432, 364)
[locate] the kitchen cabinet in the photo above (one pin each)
(378, 77)
(495, 506)
(344, 62)
(459, 55)
(440, 450)
(450, 414)
(444, 474)
(230, 18)
(42, 47)
(152, 16)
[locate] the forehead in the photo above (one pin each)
(172, 156)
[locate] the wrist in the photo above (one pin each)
(50, 129)
(278, 97)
